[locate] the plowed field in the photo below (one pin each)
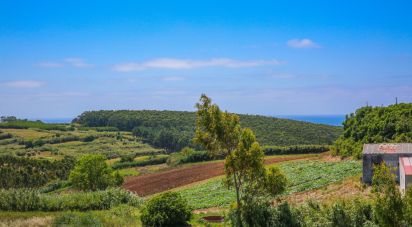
(149, 184)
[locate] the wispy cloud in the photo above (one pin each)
(73, 62)
(173, 63)
(23, 84)
(302, 43)
(77, 62)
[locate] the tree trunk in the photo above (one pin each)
(239, 218)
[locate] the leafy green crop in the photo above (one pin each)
(302, 176)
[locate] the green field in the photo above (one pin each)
(302, 176)
(110, 144)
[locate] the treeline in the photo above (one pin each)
(375, 125)
(173, 130)
(298, 149)
(18, 172)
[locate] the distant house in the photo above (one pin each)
(396, 155)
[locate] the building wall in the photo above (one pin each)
(402, 178)
(369, 160)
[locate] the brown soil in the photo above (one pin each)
(149, 184)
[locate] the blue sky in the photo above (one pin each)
(60, 58)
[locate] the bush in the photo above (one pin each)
(92, 173)
(33, 200)
(4, 136)
(167, 209)
(77, 219)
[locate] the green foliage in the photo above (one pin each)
(375, 125)
(408, 207)
(33, 200)
(77, 219)
(269, 131)
(351, 213)
(24, 124)
(18, 172)
(179, 158)
(296, 149)
(382, 178)
(92, 173)
(388, 209)
(4, 136)
(152, 160)
(220, 133)
(167, 209)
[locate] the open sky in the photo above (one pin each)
(60, 58)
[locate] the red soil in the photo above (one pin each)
(149, 184)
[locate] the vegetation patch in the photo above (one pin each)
(375, 125)
(33, 200)
(302, 176)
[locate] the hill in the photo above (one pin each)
(173, 130)
(375, 125)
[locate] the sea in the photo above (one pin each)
(335, 120)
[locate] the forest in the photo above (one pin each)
(375, 125)
(173, 130)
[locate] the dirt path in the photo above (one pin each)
(149, 184)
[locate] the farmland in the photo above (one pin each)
(302, 175)
(147, 171)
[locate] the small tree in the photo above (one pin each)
(92, 173)
(388, 209)
(167, 209)
(220, 132)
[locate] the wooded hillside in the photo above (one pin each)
(175, 129)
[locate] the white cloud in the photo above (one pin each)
(77, 62)
(23, 84)
(302, 43)
(173, 78)
(172, 63)
(49, 65)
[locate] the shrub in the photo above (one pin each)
(167, 209)
(33, 200)
(4, 136)
(92, 173)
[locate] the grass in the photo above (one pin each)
(132, 171)
(29, 133)
(302, 176)
(122, 215)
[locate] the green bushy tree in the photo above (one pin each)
(167, 209)
(92, 173)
